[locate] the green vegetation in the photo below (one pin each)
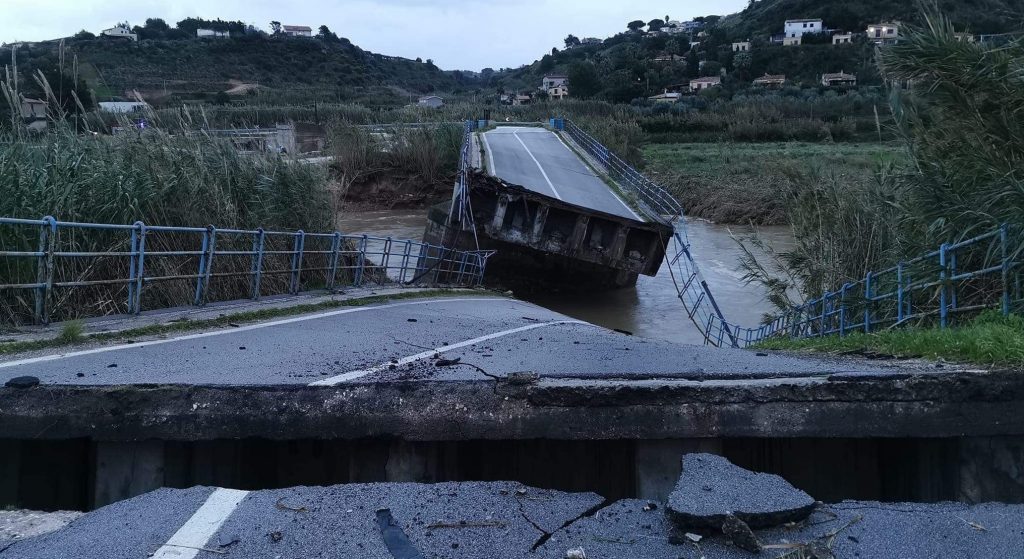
(72, 332)
(753, 183)
(961, 126)
(222, 321)
(990, 340)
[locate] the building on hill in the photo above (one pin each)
(796, 28)
(297, 31)
(666, 97)
(771, 81)
(965, 37)
(842, 38)
(212, 33)
(589, 41)
(120, 31)
(701, 84)
(842, 79)
(431, 101)
(884, 33)
(558, 92)
(522, 100)
(742, 46)
(665, 58)
(554, 80)
(792, 41)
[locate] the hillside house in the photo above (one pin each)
(558, 92)
(430, 101)
(742, 46)
(792, 41)
(770, 81)
(842, 79)
(120, 31)
(212, 34)
(665, 58)
(666, 97)
(297, 31)
(796, 28)
(591, 41)
(673, 27)
(692, 25)
(700, 84)
(884, 33)
(554, 80)
(842, 39)
(519, 100)
(123, 107)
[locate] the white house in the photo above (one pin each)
(123, 107)
(558, 92)
(797, 27)
(666, 97)
(121, 31)
(792, 41)
(554, 80)
(212, 33)
(297, 31)
(842, 38)
(701, 84)
(884, 33)
(743, 46)
(838, 80)
(431, 101)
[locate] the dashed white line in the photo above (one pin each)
(539, 166)
(58, 356)
(354, 375)
(193, 536)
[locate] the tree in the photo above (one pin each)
(275, 27)
(325, 34)
(636, 26)
(655, 25)
(572, 41)
(83, 34)
(584, 80)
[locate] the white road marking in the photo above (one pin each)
(188, 541)
(58, 356)
(539, 166)
(590, 172)
(353, 375)
(493, 171)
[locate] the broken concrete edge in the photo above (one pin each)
(713, 493)
(16, 525)
(174, 323)
(935, 406)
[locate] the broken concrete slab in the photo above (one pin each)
(448, 520)
(711, 488)
(848, 530)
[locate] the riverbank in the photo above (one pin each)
(750, 183)
(990, 340)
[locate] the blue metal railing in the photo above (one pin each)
(691, 287)
(51, 258)
(959, 278)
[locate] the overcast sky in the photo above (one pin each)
(495, 33)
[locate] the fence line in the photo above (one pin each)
(969, 276)
(691, 287)
(50, 256)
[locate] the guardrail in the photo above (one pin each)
(691, 287)
(45, 261)
(969, 276)
(646, 192)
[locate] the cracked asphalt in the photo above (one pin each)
(478, 337)
(498, 519)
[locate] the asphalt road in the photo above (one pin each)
(491, 520)
(405, 341)
(537, 159)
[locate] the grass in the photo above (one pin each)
(990, 340)
(744, 183)
(223, 321)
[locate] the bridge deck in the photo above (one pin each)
(537, 159)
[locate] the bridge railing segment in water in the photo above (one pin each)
(957, 280)
(51, 268)
(691, 287)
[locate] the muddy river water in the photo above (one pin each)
(651, 309)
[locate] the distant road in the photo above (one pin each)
(537, 159)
